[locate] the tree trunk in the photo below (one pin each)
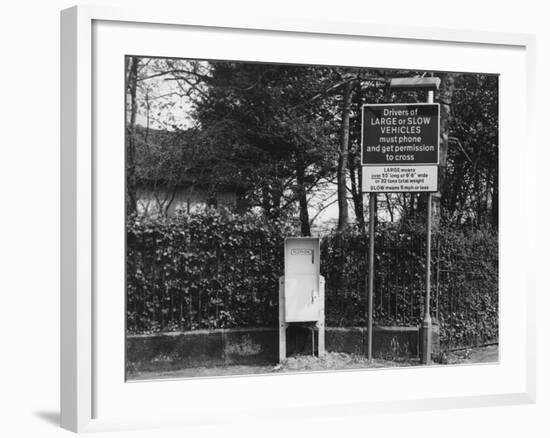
(301, 194)
(266, 204)
(343, 158)
(446, 91)
(276, 196)
(494, 201)
(241, 203)
(389, 206)
(131, 198)
(357, 195)
(445, 101)
(355, 169)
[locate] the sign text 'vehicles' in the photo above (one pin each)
(400, 134)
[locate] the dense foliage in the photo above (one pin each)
(467, 270)
(207, 270)
(215, 269)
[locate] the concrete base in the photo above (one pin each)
(260, 346)
(428, 336)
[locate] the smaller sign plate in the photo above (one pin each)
(400, 178)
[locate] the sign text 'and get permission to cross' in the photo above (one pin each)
(400, 147)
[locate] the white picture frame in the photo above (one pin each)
(84, 368)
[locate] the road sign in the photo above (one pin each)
(400, 152)
(396, 134)
(399, 178)
(400, 147)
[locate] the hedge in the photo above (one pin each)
(215, 269)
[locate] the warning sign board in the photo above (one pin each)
(401, 144)
(399, 179)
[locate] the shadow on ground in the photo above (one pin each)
(51, 417)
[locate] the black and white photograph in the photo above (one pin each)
(300, 218)
(265, 220)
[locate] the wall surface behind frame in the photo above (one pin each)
(29, 254)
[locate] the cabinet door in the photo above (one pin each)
(302, 298)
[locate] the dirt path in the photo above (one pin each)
(331, 361)
(473, 355)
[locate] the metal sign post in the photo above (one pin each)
(370, 300)
(427, 322)
(400, 153)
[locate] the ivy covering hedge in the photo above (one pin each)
(216, 269)
(211, 269)
(468, 301)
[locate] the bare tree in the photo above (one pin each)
(343, 157)
(131, 91)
